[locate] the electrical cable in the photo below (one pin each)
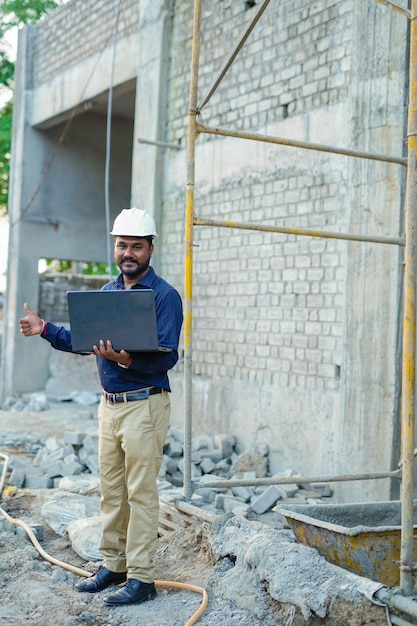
(108, 141)
(81, 572)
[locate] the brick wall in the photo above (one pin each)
(76, 30)
(53, 293)
(266, 307)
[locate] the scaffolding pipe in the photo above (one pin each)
(295, 480)
(395, 7)
(409, 332)
(201, 128)
(235, 51)
(397, 601)
(189, 214)
(199, 221)
(160, 144)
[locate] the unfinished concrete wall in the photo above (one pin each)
(295, 339)
(57, 191)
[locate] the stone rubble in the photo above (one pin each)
(70, 463)
(258, 566)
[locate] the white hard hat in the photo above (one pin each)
(134, 223)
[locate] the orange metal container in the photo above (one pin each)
(363, 538)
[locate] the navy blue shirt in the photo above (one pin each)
(148, 368)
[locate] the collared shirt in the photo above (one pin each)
(147, 368)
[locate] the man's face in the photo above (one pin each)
(132, 255)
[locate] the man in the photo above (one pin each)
(134, 414)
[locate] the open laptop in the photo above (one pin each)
(126, 317)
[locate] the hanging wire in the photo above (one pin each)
(108, 143)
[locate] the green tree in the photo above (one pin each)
(13, 13)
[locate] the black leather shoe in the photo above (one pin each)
(102, 578)
(133, 592)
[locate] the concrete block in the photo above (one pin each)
(164, 485)
(241, 510)
(89, 456)
(37, 530)
(324, 490)
(208, 495)
(17, 478)
(16, 462)
(176, 433)
(55, 469)
(74, 438)
(177, 479)
(173, 448)
(224, 501)
(40, 456)
(213, 454)
(243, 492)
(38, 482)
(196, 472)
(52, 444)
(33, 471)
(196, 457)
(225, 443)
(287, 491)
(171, 465)
(53, 457)
(266, 500)
(71, 458)
(73, 468)
(207, 466)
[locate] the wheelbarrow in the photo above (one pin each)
(363, 538)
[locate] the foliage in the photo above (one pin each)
(19, 12)
(5, 142)
(98, 269)
(84, 268)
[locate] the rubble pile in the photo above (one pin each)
(70, 462)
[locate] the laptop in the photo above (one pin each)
(126, 317)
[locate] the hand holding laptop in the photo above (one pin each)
(105, 350)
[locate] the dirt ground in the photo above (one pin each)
(37, 592)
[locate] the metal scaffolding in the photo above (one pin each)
(406, 474)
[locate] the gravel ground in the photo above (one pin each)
(37, 592)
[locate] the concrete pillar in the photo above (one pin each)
(368, 435)
(22, 274)
(64, 219)
(151, 86)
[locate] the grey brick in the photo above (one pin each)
(266, 500)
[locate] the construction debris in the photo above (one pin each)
(70, 463)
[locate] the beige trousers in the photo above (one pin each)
(131, 439)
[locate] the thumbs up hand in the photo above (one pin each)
(31, 324)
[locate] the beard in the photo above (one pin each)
(137, 270)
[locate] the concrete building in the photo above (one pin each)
(296, 340)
